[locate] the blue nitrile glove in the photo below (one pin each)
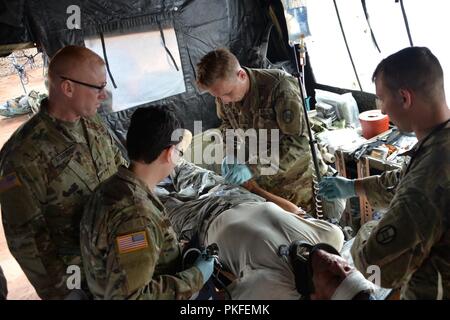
(206, 266)
(235, 173)
(337, 188)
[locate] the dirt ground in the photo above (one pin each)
(18, 285)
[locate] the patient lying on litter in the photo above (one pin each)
(248, 230)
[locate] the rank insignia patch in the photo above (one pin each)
(386, 234)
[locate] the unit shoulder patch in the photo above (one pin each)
(132, 242)
(288, 116)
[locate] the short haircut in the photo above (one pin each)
(414, 68)
(216, 65)
(72, 58)
(150, 132)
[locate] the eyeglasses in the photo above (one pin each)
(99, 88)
(181, 153)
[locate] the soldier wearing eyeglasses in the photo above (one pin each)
(51, 165)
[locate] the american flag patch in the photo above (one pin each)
(132, 242)
(9, 181)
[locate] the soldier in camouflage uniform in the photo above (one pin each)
(265, 99)
(129, 248)
(50, 165)
(411, 243)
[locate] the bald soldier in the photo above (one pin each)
(130, 250)
(50, 165)
(411, 243)
(263, 99)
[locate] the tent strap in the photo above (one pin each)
(405, 18)
(346, 44)
(102, 38)
(165, 46)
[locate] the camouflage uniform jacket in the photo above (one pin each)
(274, 102)
(46, 173)
(411, 243)
(129, 248)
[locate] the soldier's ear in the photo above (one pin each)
(168, 155)
(241, 74)
(407, 98)
(67, 88)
